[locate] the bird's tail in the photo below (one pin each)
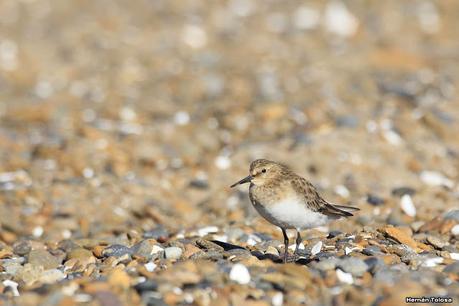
(337, 211)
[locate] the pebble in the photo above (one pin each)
(344, 277)
(375, 200)
(401, 191)
(316, 248)
(117, 250)
(400, 236)
(240, 274)
(173, 252)
(43, 258)
(407, 205)
(452, 215)
(353, 265)
(434, 178)
(22, 247)
(437, 242)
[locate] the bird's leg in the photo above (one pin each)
(298, 241)
(285, 243)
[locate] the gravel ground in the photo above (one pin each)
(123, 124)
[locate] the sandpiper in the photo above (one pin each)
(289, 201)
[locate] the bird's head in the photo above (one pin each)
(262, 171)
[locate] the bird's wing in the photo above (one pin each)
(316, 203)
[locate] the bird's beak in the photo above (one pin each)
(243, 181)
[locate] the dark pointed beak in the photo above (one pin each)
(243, 181)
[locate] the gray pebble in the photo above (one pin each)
(452, 215)
(116, 250)
(353, 265)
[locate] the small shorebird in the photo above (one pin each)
(289, 201)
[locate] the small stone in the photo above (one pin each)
(272, 250)
(452, 268)
(146, 248)
(326, 264)
(437, 242)
(316, 248)
(401, 191)
(116, 250)
(353, 265)
(159, 233)
(455, 230)
(79, 253)
(240, 274)
(375, 200)
(51, 276)
(344, 277)
(401, 236)
(22, 248)
(43, 258)
(172, 252)
(372, 250)
(190, 250)
(407, 205)
(452, 215)
(434, 178)
(119, 278)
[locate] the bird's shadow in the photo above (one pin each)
(262, 256)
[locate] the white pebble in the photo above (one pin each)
(181, 118)
(455, 230)
(344, 277)
(432, 262)
(277, 299)
(127, 114)
(194, 36)
(173, 252)
(339, 20)
(12, 285)
(316, 248)
(342, 191)
(253, 239)
(150, 266)
(434, 178)
(240, 274)
(306, 18)
(37, 231)
(207, 230)
(156, 249)
(407, 205)
(454, 256)
(223, 162)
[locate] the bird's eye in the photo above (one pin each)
(264, 170)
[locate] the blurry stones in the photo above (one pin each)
(401, 191)
(375, 200)
(240, 274)
(407, 205)
(43, 258)
(160, 233)
(339, 20)
(434, 178)
(117, 250)
(194, 36)
(452, 215)
(173, 252)
(437, 242)
(22, 247)
(306, 18)
(353, 265)
(344, 277)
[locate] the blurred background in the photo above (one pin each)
(119, 117)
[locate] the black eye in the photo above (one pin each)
(264, 170)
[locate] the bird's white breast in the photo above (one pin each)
(293, 213)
